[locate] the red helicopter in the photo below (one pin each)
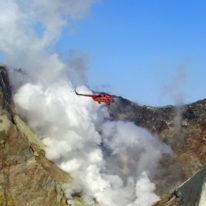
(101, 97)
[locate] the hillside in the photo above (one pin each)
(26, 176)
(184, 129)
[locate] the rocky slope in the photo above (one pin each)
(27, 178)
(184, 129)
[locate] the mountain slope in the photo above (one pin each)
(26, 176)
(184, 129)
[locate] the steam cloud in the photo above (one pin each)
(173, 90)
(112, 161)
(77, 67)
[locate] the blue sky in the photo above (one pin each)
(138, 48)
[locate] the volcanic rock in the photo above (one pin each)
(27, 178)
(182, 127)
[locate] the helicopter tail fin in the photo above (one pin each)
(76, 92)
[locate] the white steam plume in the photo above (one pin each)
(21, 41)
(173, 88)
(108, 166)
(113, 162)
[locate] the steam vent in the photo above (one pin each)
(28, 178)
